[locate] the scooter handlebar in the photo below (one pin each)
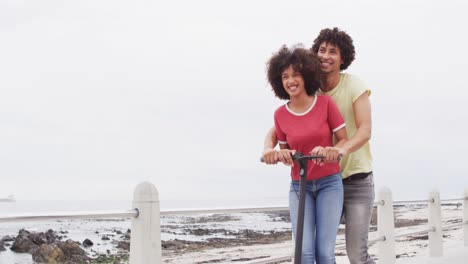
(298, 156)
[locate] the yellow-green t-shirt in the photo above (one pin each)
(345, 94)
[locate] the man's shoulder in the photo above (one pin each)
(353, 86)
(350, 79)
(352, 82)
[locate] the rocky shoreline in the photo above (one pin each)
(184, 235)
(55, 247)
(50, 246)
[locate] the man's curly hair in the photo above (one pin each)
(302, 61)
(338, 38)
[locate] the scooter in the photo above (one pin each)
(302, 160)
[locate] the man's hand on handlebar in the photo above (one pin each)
(331, 154)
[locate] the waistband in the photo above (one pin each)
(357, 176)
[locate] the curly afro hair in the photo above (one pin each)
(302, 60)
(338, 38)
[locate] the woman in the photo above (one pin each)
(307, 123)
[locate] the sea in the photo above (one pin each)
(48, 206)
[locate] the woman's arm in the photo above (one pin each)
(270, 139)
(272, 156)
(285, 155)
(269, 155)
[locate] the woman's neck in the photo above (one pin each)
(300, 104)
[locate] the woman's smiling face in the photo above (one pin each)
(293, 82)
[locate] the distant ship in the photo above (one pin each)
(9, 198)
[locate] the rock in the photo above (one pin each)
(2, 246)
(173, 244)
(23, 244)
(70, 248)
(280, 216)
(7, 238)
(47, 247)
(105, 238)
(199, 231)
(114, 259)
(126, 236)
(87, 243)
(48, 254)
(125, 245)
(51, 236)
(38, 238)
(28, 242)
(73, 252)
(242, 238)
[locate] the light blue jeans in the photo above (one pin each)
(323, 208)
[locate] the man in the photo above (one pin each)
(335, 50)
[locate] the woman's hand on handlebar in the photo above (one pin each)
(285, 156)
(272, 156)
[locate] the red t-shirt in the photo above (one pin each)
(304, 131)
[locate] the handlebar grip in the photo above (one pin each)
(262, 160)
(298, 155)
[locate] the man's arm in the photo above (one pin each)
(332, 154)
(362, 117)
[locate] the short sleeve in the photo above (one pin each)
(335, 120)
(280, 135)
(357, 88)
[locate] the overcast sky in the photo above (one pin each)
(97, 96)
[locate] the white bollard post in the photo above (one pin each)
(465, 217)
(145, 239)
(386, 227)
(435, 222)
